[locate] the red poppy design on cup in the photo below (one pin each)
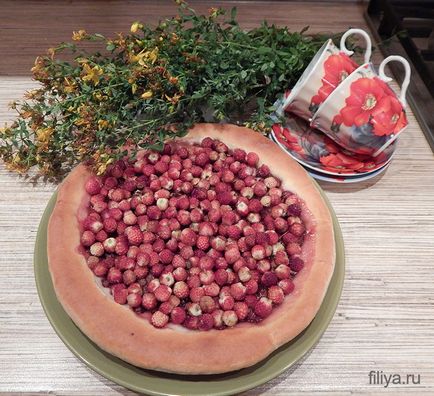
(372, 101)
(336, 69)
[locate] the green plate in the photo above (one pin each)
(156, 383)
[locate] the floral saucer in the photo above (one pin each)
(346, 179)
(316, 151)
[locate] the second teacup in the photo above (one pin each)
(363, 114)
(329, 67)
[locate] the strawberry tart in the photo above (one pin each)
(203, 258)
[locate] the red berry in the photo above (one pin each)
(275, 294)
(162, 293)
(296, 264)
(269, 279)
(241, 309)
(252, 159)
(263, 307)
(177, 316)
(93, 186)
(159, 319)
(230, 318)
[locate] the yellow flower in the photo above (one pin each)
(146, 95)
(80, 35)
(103, 124)
(43, 134)
(135, 27)
(69, 85)
(174, 99)
(144, 56)
(91, 73)
(133, 88)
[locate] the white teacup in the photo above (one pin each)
(363, 114)
(329, 67)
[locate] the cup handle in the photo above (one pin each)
(362, 33)
(406, 81)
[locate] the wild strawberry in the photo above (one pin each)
(206, 277)
(188, 237)
(166, 307)
(129, 218)
(120, 296)
(241, 309)
(134, 235)
(116, 195)
(252, 159)
(261, 238)
(180, 274)
(128, 277)
(295, 209)
(251, 286)
(162, 293)
(166, 256)
(181, 290)
(110, 245)
(251, 300)
(212, 289)
(244, 274)
(87, 238)
(226, 302)
(297, 229)
(231, 277)
(207, 304)
(255, 205)
(260, 189)
(293, 248)
(225, 197)
(230, 318)
(110, 224)
(114, 275)
(196, 293)
(258, 252)
(221, 276)
(296, 263)
(186, 252)
(233, 232)
(194, 309)
(275, 294)
(167, 279)
(153, 212)
(141, 272)
(283, 271)
(238, 291)
(272, 237)
(232, 254)
(124, 205)
(202, 242)
(159, 319)
(206, 322)
(271, 182)
(263, 307)
(100, 269)
(93, 186)
(280, 225)
(177, 316)
(214, 215)
(149, 301)
(134, 300)
(218, 243)
(97, 249)
(206, 229)
(269, 279)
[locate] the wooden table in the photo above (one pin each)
(385, 320)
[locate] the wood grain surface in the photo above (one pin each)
(385, 320)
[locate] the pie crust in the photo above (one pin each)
(119, 331)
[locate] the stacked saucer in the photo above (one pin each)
(322, 157)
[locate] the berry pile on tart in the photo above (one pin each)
(203, 258)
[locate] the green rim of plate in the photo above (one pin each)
(157, 383)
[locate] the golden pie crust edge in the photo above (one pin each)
(119, 331)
